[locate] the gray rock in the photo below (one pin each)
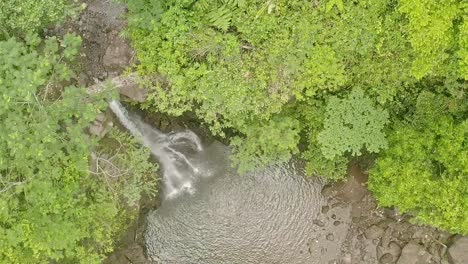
(346, 259)
(350, 190)
(325, 209)
(327, 190)
(386, 259)
(118, 54)
(330, 237)
(394, 249)
(319, 223)
(414, 253)
(374, 232)
(100, 126)
(386, 237)
(128, 86)
(458, 252)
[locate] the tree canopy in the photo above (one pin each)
(53, 207)
(326, 80)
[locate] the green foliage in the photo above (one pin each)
(52, 209)
(463, 43)
(266, 142)
(123, 166)
(352, 124)
(21, 16)
(220, 13)
(318, 165)
(424, 172)
(238, 72)
(434, 31)
(333, 3)
(278, 76)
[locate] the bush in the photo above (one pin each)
(425, 173)
(123, 165)
(351, 125)
(263, 72)
(18, 17)
(52, 209)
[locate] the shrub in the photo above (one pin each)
(52, 209)
(263, 72)
(122, 164)
(18, 17)
(425, 170)
(351, 125)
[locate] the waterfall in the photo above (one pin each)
(178, 171)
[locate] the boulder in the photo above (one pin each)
(386, 259)
(458, 251)
(394, 249)
(374, 232)
(100, 126)
(414, 253)
(134, 92)
(118, 54)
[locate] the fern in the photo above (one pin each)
(220, 18)
(219, 13)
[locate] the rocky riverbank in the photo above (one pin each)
(377, 235)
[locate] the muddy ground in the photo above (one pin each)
(372, 236)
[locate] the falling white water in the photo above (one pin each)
(178, 172)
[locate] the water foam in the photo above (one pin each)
(178, 172)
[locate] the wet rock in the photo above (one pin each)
(318, 223)
(379, 251)
(414, 253)
(387, 237)
(330, 237)
(444, 237)
(133, 254)
(386, 223)
(394, 249)
(374, 232)
(325, 209)
(347, 259)
(350, 190)
(458, 252)
(134, 92)
(164, 124)
(327, 190)
(335, 205)
(386, 258)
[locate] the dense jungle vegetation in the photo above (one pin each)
(329, 81)
(54, 206)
